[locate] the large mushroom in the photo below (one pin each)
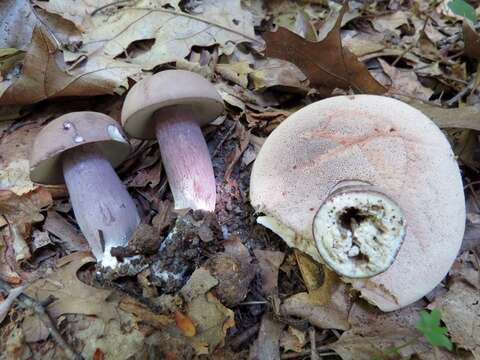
(369, 186)
(172, 106)
(81, 149)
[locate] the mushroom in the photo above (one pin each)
(172, 105)
(81, 149)
(369, 186)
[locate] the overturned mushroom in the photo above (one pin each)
(172, 105)
(369, 186)
(81, 149)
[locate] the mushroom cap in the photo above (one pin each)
(380, 141)
(72, 130)
(169, 88)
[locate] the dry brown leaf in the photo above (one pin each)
(373, 332)
(327, 64)
(269, 262)
(24, 209)
(405, 82)
(198, 284)
(185, 324)
(293, 339)
(390, 22)
(235, 72)
(34, 329)
(471, 40)
(70, 238)
(17, 23)
(72, 296)
(460, 308)
(267, 345)
(216, 22)
(465, 117)
(7, 260)
(332, 315)
(212, 320)
(280, 75)
(45, 75)
(232, 158)
(144, 314)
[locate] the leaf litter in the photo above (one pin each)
(222, 286)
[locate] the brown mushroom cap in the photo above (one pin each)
(380, 141)
(169, 88)
(72, 130)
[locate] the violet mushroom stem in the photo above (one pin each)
(103, 208)
(186, 158)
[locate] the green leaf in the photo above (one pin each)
(462, 8)
(429, 326)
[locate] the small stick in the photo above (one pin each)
(45, 318)
(313, 349)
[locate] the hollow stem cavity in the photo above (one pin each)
(358, 230)
(186, 159)
(103, 207)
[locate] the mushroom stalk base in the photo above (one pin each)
(103, 207)
(358, 230)
(186, 159)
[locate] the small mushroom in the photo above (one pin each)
(172, 105)
(81, 149)
(369, 186)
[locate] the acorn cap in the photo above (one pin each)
(72, 130)
(169, 88)
(382, 142)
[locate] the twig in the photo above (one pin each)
(97, 10)
(414, 43)
(222, 141)
(308, 353)
(313, 350)
(45, 318)
(238, 340)
(462, 93)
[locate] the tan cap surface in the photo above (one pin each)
(380, 141)
(72, 130)
(168, 88)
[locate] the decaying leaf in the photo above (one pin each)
(45, 75)
(293, 339)
(269, 262)
(471, 40)
(185, 324)
(460, 308)
(376, 334)
(331, 315)
(280, 75)
(336, 68)
(72, 296)
(267, 344)
(70, 238)
(405, 82)
(24, 209)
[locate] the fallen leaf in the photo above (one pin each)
(211, 319)
(34, 329)
(390, 22)
(471, 40)
(279, 75)
(460, 308)
(7, 303)
(293, 339)
(269, 262)
(185, 325)
(24, 209)
(465, 117)
(235, 72)
(217, 22)
(336, 68)
(405, 82)
(267, 345)
(232, 158)
(45, 75)
(17, 24)
(7, 261)
(143, 314)
(40, 239)
(69, 237)
(71, 295)
(374, 333)
(17, 235)
(198, 284)
(332, 315)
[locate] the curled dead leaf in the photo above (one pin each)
(185, 325)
